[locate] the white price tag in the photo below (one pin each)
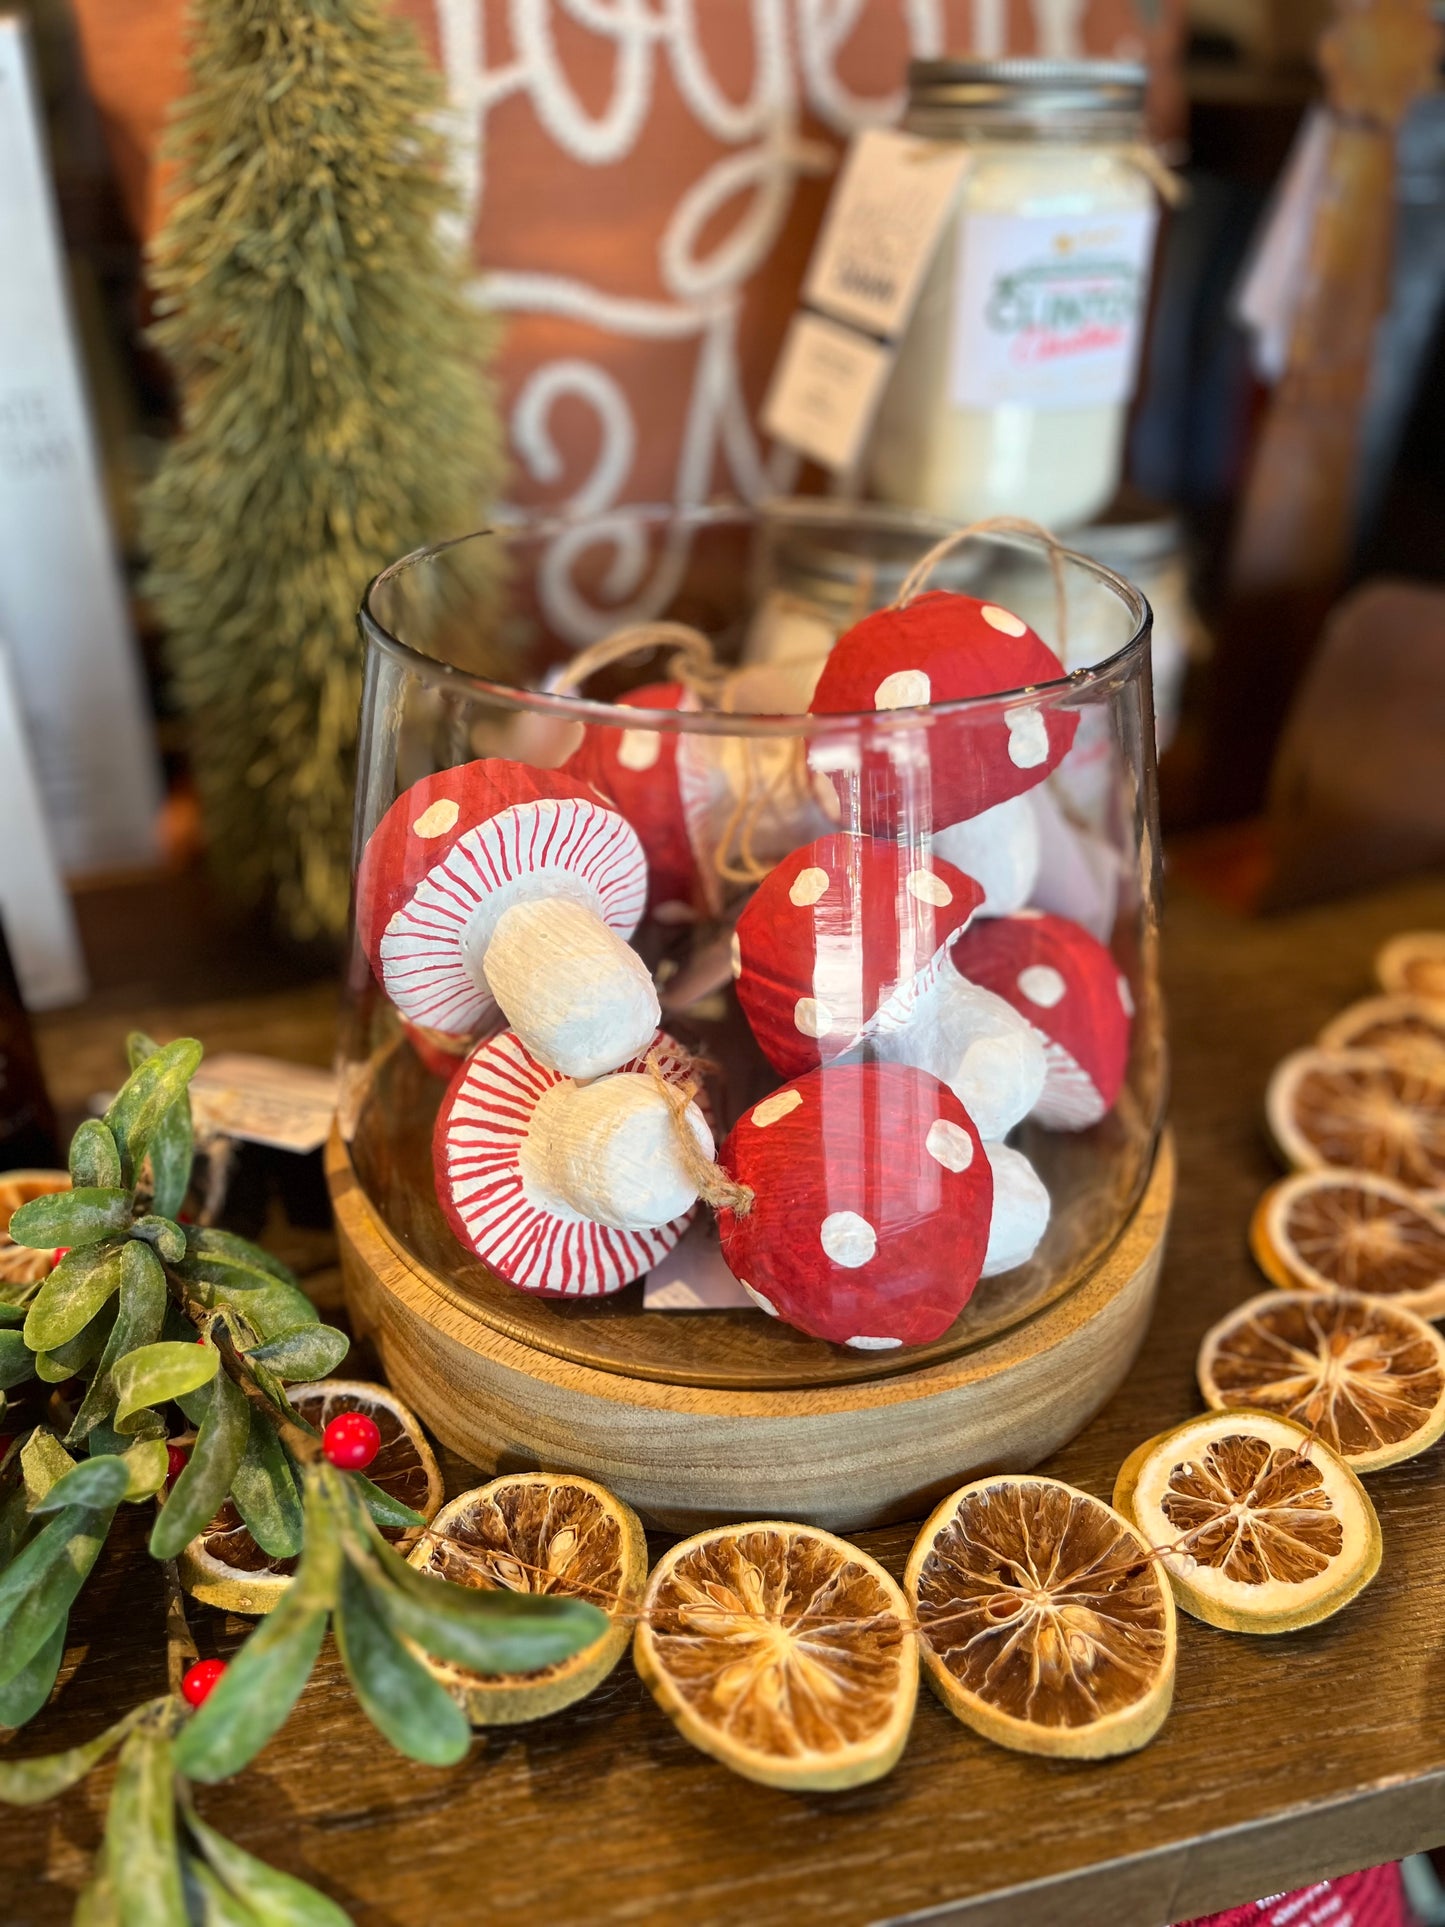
(825, 388)
(264, 1100)
(883, 224)
(1048, 311)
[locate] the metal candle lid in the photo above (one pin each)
(1094, 99)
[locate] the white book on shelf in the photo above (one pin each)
(34, 908)
(63, 609)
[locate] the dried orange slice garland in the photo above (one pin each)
(783, 1652)
(1411, 1030)
(223, 1566)
(1260, 1527)
(1348, 1231)
(1413, 965)
(538, 1532)
(1360, 1111)
(1365, 1376)
(1044, 1623)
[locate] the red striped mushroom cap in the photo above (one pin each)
(495, 884)
(840, 940)
(639, 770)
(569, 1189)
(872, 1197)
(941, 648)
(1073, 993)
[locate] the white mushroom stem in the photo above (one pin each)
(991, 1058)
(1020, 1210)
(609, 1152)
(999, 849)
(578, 997)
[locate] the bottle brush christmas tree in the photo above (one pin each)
(335, 411)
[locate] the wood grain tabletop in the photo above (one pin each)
(1284, 1760)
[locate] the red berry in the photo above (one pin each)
(351, 1441)
(60, 1251)
(177, 1458)
(200, 1678)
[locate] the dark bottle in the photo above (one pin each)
(27, 1119)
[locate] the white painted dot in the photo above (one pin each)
(1028, 739)
(639, 748)
(874, 1344)
(774, 1107)
(1004, 620)
(811, 1017)
(735, 954)
(949, 1145)
(848, 1239)
(437, 818)
(928, 887)
(1042, 985)
(763, 1304)
(808, 886)
(904, 689)
(1126, 996)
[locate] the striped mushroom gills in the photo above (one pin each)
(497, 886)
(565, 1188)
(839, 942)
(1074, 995)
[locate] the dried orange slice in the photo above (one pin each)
(539, 1532)
(1413, 964)
(1348, 1231)
(1044, 1623)
(223, 1566)
(1366, 1376)
(783, 1652)
(22, 1264)
(1260, 1527)
(1358, 1111)
(1409, 1030)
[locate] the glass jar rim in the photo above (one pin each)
(587, 710)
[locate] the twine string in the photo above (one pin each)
(691, 663)
(918, 576)
(712, 1183)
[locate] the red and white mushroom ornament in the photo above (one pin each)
(1071, 990)
(495, 885)
(871, 1198)
(563, 1188)
(990, 1057)
(999, 849)
(940, 648)
(641, 771)
(1021, 1209)
(840, 940)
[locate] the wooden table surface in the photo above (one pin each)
(1284, 1760)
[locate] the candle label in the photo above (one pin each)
(1048, 311)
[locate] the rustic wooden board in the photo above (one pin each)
(1283, 1760)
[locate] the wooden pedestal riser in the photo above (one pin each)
(841, 1456)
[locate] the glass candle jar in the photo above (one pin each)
(782, 907)
(1012, 383)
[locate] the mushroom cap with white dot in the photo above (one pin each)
(807, 886)
(1126, 996)
(1004, 620)
(949, 1144)
(1028, 738)
(774, 1107)
(639, 749)
(847, 1238)
(1042, 985)
(812, 1018)
(874, 1344)
(437, 818)
(926, 886)
(735, 954)
(762, 1303)
(903, 689)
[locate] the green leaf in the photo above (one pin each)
(491, 1632)
(15, 1524)
(145, 1097)
(200, 1490)
(397, 1694)
(264, 1489)
(17, 1361)
(154, 1373)
(94, 1159)
(39, 1585)
(141, 1852)
(211, 1903)
(74, 1218)
(385, 1511)
(270, 1305)
(96, 1904)
(146, 1463)
(172, 1146)
(27, 1783)
(22, 1697)
(207, 1241)
(275, 1899)
(71, 1296)
(307, 1352)
(140, 1317)
(167, 1236)
(82, 1350)
(99, 1484)
(12, 1310)
(43, 1460)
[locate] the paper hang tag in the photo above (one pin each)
(1274, 279)
(881, 231)
(264, 1100)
